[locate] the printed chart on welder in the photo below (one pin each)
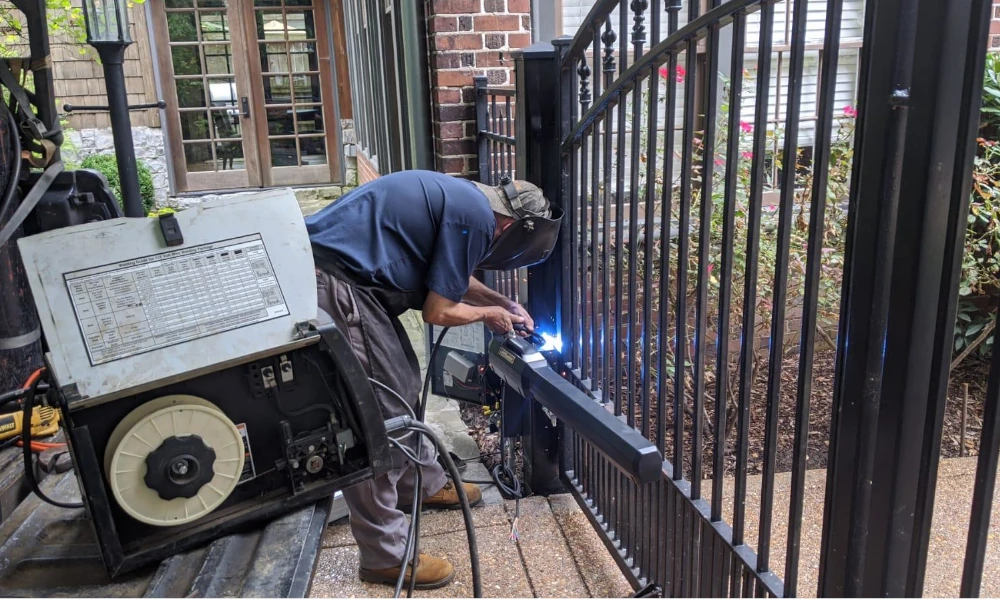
(147, 303)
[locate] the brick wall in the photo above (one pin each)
(366, 170)
(468, 38)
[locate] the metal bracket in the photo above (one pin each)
(305, 329)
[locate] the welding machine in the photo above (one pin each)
(198, 392)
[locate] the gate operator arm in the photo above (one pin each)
(526, 371)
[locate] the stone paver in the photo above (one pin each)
(550, 564)
(337, 572)
(599, 571)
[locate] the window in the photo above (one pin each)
(248, 95)
(996, 12)
(995, 42)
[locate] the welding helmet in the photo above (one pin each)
(531, 238)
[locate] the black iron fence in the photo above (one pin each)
(710, 260)
(498, 159)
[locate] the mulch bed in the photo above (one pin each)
(972, 371)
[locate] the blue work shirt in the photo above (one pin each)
(411, 231)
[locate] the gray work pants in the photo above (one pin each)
(369, 319)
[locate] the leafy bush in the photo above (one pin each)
(106, 164)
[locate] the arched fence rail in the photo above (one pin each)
(738, 280)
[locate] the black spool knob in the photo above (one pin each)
(180, 467)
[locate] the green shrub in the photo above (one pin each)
(107, 164)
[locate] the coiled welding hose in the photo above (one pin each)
(29, 462)
(408, 424)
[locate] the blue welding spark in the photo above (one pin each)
(552, 342)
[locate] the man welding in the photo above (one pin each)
(412, 240)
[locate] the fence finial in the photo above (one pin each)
(639, 17)
(609, 37)
(584, 72)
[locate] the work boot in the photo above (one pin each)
(447, 498)
(432, 573)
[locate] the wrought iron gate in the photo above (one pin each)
(664, 129)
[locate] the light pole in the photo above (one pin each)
(107, 32)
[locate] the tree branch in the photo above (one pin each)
(975, 344)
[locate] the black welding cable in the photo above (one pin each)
(422, 409)
(412, 534)
(470, 528)
(29, 464)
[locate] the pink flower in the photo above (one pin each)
(710, 267)
(718, 162)
(747, 155)
(746, 127)
(850, 111)
(664, 72)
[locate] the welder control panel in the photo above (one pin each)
(121, 309)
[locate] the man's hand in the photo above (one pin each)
(529, 323)
(500, 320)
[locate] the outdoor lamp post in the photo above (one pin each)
(107, 32)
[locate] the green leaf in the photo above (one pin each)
(964, 291)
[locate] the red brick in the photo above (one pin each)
(452, 130)
(526, 22)
(495, 40)
(455, 7)
(448, 96)
(492, 59)
(519, 6)
(468, 95)
(447, 61)
(457, 147)
(496, 77)
(519, 40)
(453, 78)
(453, 166)
(465, 23)
(443, 24)
(471, 129)
(494, 6)
(466, 41)
(456, 113)
(491, 23)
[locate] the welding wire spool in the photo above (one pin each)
(143, 431)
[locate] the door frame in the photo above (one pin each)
(336, 105)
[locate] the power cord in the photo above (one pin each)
(29, 462)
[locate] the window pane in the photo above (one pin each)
(298, 2)
(270, 25)
(310, 119)
(227, 124)
(279, 120)
(222, 92)
(198, 157)
(306, 88)
(194, 125)
(277, 89)
(301, 25)
(304, 57)
(211, 3)
(190, 93)
(179, 3)
(313, 150)
(186, 60)
(181, 27)
(267, 3)
(214, 27)
(283, 153)
(229, 156)
(219, 59)
(273, 58)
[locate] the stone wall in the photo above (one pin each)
(149, 148)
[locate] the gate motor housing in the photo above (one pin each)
(198, 391)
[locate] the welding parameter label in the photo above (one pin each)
(144, 304)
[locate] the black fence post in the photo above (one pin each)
(482, 124)
(921, 83)
(538, 160)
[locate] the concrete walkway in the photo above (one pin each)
(558, 555)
